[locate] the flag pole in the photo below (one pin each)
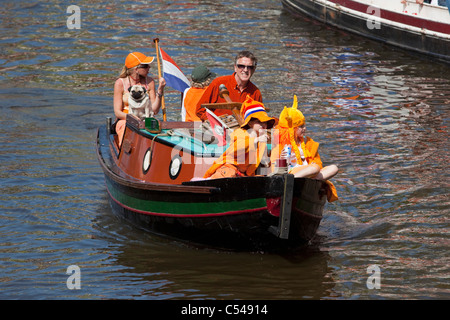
(163, 107)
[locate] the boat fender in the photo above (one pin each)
(284, 219)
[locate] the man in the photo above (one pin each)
(238, 84)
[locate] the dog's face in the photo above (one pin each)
(137, 92)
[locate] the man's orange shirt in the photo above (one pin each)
(212, 95)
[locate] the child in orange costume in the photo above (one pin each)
(248, 146)
(304, 160)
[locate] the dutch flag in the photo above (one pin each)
(172, 73)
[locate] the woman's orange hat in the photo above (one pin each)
(136, 58)
(254, 109)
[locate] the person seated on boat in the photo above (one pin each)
(135, 72)
(248, 145)
(300, 151)
(201, 78)
(238, 85)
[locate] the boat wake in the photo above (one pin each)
(340, 226)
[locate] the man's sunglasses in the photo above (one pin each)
(243, 66)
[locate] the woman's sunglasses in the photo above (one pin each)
(143, 66)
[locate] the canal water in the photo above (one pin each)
(380, 114)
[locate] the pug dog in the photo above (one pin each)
(139, 102)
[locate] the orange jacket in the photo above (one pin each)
(312, 156)
(190, 100)
(311, 152)
(242, 154)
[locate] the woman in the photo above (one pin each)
(135, 72)
(300, 151)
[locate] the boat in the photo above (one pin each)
(421, 28)
(154, 181)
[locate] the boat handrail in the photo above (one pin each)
(140, 124)
(171, 129)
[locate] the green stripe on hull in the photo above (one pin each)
(183, 208)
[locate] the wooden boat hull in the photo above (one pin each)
(230, 212)
(407, 26)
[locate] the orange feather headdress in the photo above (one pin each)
(290, 119)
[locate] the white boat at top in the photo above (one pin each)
(423, 28)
